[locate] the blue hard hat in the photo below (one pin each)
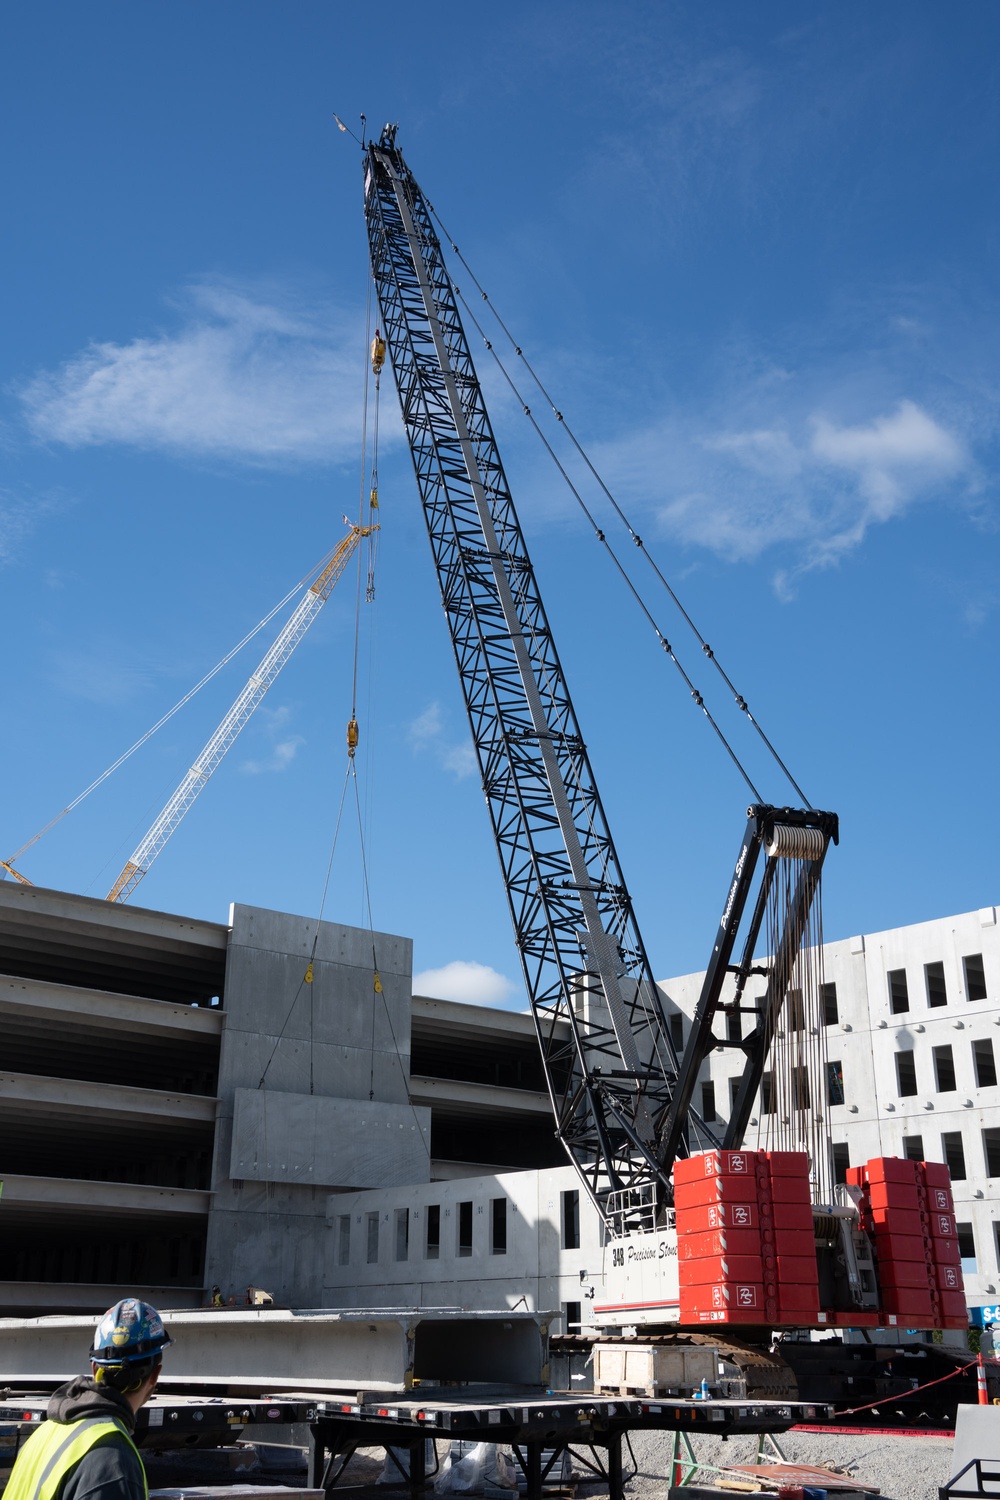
(130, 1331)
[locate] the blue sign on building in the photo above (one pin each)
(982, 1317)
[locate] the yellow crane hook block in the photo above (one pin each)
(378, 352)
(352, 737)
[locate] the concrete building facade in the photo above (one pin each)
(178, 1098)
(185, 1103)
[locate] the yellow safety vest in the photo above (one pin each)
(53, 1451)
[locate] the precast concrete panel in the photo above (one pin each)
(328, 1142)
(274, 1349)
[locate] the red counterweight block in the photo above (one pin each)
(716, 1164)
(719, 1239)
(718, 1242)
(791, 1278)
(718, 1302)
(724, 1269)
(710, 1216)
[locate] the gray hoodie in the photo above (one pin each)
(111, 1470)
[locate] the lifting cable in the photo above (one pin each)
(377, 353)
(738, 698)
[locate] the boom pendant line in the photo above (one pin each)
(584, 963)
(197, 777)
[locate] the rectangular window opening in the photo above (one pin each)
(944, 1069)
(985, 1063)
(432, 1242)
(498, 1226)
(906, 1074)
(677, 1031)
(800, 1089)
(796, 1011)
(767, 1094)
(913, 1147)
(734, 1092)
(465, 1227)
(734, 1026)
(402, 1234)
(571, 1219)
(954, 1154)
(828, 994)
(343, 1239)
(937, 993)
(571, 1317)
(975, 976)
(840, 1158)
(708, 1101)
(899, 995)
(991, 1151)
(372, 1251)
(967, 1248)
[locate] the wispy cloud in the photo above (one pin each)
(797, 479)
(271, 721)
(20, 514)
(475, 984)
(247, 375)
(279, 759)
(427, 733)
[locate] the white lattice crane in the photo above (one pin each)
(285, 643)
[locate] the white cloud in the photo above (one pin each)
(279, 759)
(475, 984)
(427, 733)
(246, 376)
(797, 481)
(892, 456)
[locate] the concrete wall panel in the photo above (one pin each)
(328, 1142)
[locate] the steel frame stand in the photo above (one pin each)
(681, 1472)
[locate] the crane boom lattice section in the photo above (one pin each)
(583, 958)
(197, 777)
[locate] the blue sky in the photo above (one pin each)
(750, 249)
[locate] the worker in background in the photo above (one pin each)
(217, 1296)
(85, 1447)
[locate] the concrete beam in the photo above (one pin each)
(478, 1098)
(89, 916)
(20, 1298)
(98, 1010)
(24, 1093)
(274, 1349)
(477, 1022)
(97, 1199)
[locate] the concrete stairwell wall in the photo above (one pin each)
(313, 1095)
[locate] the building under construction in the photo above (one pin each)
(188, 1103)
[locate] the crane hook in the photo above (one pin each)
(352, 736)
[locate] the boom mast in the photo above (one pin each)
(584, 963)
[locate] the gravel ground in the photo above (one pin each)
(904, 1468)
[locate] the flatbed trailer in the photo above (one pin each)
(539, 1426)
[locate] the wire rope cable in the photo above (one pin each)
(181, 702)
(708, 651)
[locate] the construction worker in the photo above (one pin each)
(84, 1450)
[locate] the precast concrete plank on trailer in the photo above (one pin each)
(274, 1349)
